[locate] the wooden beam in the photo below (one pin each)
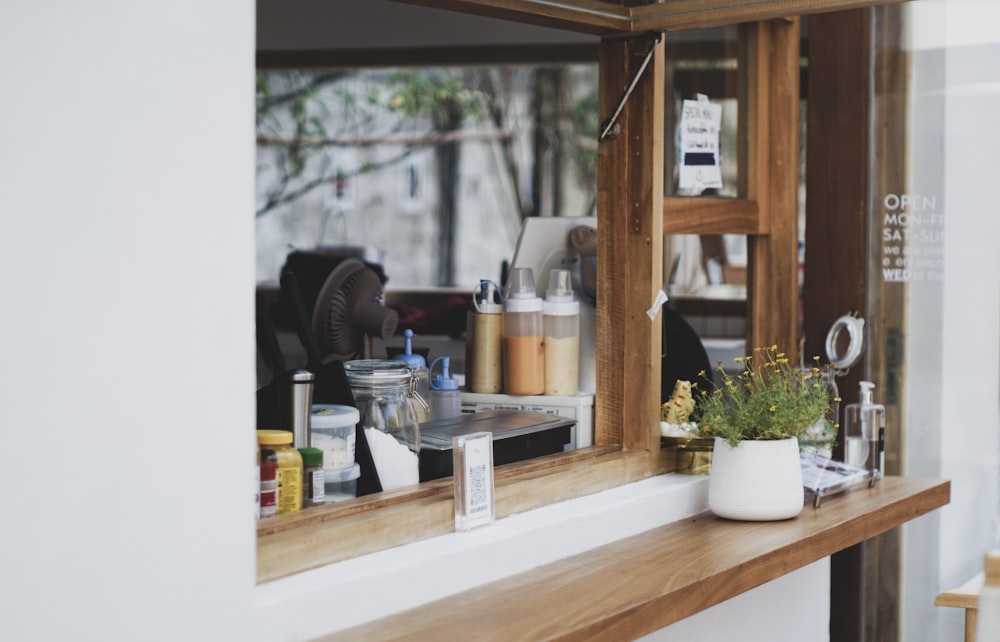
(630, 247)
(640, 584)
(703, 215)
(585, 16)
(770, 160)
(677, 15)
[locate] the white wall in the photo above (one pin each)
(126, 378)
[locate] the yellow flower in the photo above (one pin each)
(773, 408)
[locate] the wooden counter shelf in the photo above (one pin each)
(642, 583)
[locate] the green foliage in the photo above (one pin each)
(769, 399)
(443, 97)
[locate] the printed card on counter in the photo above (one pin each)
(473, 465)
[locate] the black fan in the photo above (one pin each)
(349, 308)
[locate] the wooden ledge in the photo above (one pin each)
(642, 583)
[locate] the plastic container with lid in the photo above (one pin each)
(523, 354)
(385, 393)
(313, 478)
(561, 320)
(418, 367)
(332, 430)
(446, 398)
(342, 483)
(276, 447)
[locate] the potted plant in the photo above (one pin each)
(757, 418)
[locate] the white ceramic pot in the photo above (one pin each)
(756, 480)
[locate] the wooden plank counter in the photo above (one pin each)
(640, 584)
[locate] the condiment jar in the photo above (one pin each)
(276, 447)
(313, 478)
(385, 394)
(484, 341)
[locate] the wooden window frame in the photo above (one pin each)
(633, 215)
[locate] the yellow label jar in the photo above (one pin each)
(276, 445)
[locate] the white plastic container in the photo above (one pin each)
(446, 398)
(523, 354)
(342, 483)
(332, 431)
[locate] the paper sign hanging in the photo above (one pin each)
(698, 145)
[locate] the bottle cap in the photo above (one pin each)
(483, 298)
(559, 297)
(412, 361)
(311, 456)
(267, 437)
(866, 392)
(521, 295)
(443, 380)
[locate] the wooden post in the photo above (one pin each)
(630, 247)
(769, 160)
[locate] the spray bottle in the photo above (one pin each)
(446, 399)
(864, 431)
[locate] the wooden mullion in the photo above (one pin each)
(771, 166)
(630, 248)
(702, 215)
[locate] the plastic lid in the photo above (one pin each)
(443, 380)
(311, 456)
(267, 437)
(333, 416)
(521, 284)
(561, 308)
(412, 361)
(560, 286)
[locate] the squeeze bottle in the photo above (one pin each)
(561, 320)
(418, 368)
(864, 430)
(523, 354)
(484, 336)
(446, 399)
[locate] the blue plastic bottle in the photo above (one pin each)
(446, 398)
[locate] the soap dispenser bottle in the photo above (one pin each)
(446, 399)
(418, 369)
(864, 431)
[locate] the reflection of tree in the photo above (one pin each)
(304, 116)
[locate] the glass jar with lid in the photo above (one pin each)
(385, 394)
(276, 450)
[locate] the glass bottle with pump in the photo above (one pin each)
(864, 431)
(484, 337)
(523, 354)
(561, 320)
(446, 399)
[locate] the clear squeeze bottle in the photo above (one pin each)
(864, 430)
(561, 320)
(523, 354)
(484, 334)
(446, 399)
